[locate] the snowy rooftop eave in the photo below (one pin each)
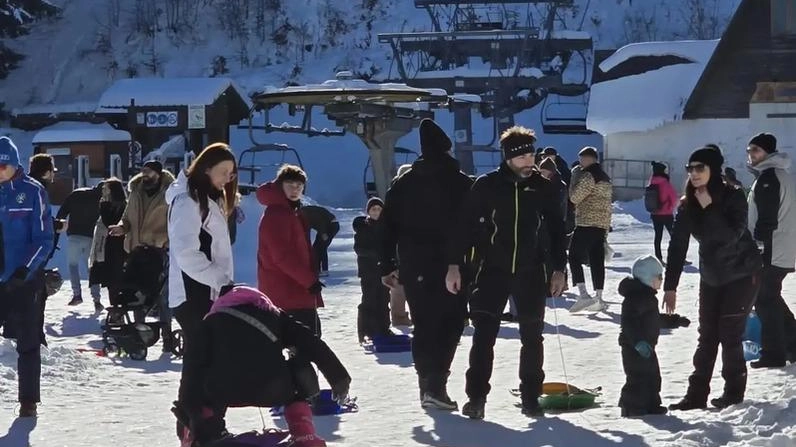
(648, 100)
(74, 132)
(155, 92)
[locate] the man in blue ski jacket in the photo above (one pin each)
(26, 240)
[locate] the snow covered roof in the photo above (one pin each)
(55, 109)
(73, 132)
(647, 99)
(344, 89)
(155, 92)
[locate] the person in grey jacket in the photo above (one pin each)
(772, 221)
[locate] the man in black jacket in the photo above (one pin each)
(419, 211)
(501, 218)
(82, 208)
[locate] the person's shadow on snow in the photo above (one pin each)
(451, 429)
(19, 432)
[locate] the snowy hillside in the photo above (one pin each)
(96, 401)
(262, 42)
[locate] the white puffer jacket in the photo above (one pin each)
(186, 254)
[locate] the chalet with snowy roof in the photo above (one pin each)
(84, 154)
(155, 110)
(660, 100)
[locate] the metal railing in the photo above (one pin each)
(628, 173)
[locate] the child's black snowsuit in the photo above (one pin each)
(640, 322)
(373, 316)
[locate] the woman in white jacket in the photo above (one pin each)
(200, 254)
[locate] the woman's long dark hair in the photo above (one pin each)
(116, 188)
(716, 189)
(199, 186)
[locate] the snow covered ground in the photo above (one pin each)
(96, 401)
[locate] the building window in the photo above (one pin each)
(783, 18)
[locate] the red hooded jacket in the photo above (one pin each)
(284, 256)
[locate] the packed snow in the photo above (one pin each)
(90, 400)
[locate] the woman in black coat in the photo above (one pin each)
(107, 252)
(715, 213)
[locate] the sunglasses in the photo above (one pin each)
(696, 167)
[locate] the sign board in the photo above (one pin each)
(162, 119)
(196, 116)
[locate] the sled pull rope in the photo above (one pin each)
(262, 418)
(560, 348)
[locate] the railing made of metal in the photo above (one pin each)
(628, 173)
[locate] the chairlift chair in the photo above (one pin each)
(253, 168)
(565, 117)
(370, 186)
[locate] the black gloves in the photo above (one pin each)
(316, 288)
(340, 391)
(226, 289)
(673, 321)
(18, 278)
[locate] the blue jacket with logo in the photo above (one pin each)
(26, 224)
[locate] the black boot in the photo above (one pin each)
(422, 385)
(725, 401)
(688, 403)
(531, 408)
(768, 362)
(474, 408)
(436, 395)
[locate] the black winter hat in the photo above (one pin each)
(549, 164)
(549, 150)
(588, 151)
(374, 201)
(433, 140)
(658, 168)
(765, 141)
(154, 165)
(710, 156)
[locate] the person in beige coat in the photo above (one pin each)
(591, 193)
(145, 222)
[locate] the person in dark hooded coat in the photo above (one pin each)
(419, 210)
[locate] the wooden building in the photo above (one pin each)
(154, 110)
(84, 155)
(661, 100)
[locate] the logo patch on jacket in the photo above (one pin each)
(21, 198)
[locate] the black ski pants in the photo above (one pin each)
(777, 322)
(722, 320)
(373, 313)
(588, 247)
(659, 222)
(490, 292)
(642, 389)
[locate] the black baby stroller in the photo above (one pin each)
(144, 280)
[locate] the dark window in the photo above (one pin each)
(783, 18)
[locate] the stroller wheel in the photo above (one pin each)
(178, 342)
(138, 354)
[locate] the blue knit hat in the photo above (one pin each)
(647, 268)
(9, 155)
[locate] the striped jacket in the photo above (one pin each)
(26, 225)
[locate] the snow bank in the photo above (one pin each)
(694, 50)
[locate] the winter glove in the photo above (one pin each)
(673, 321)
(226, 289)
(18, 278)
(644, 349)
(316, 288)
(340, 391)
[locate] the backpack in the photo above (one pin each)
(652, 198)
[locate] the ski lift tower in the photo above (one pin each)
(505, 51)
(379, 114)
